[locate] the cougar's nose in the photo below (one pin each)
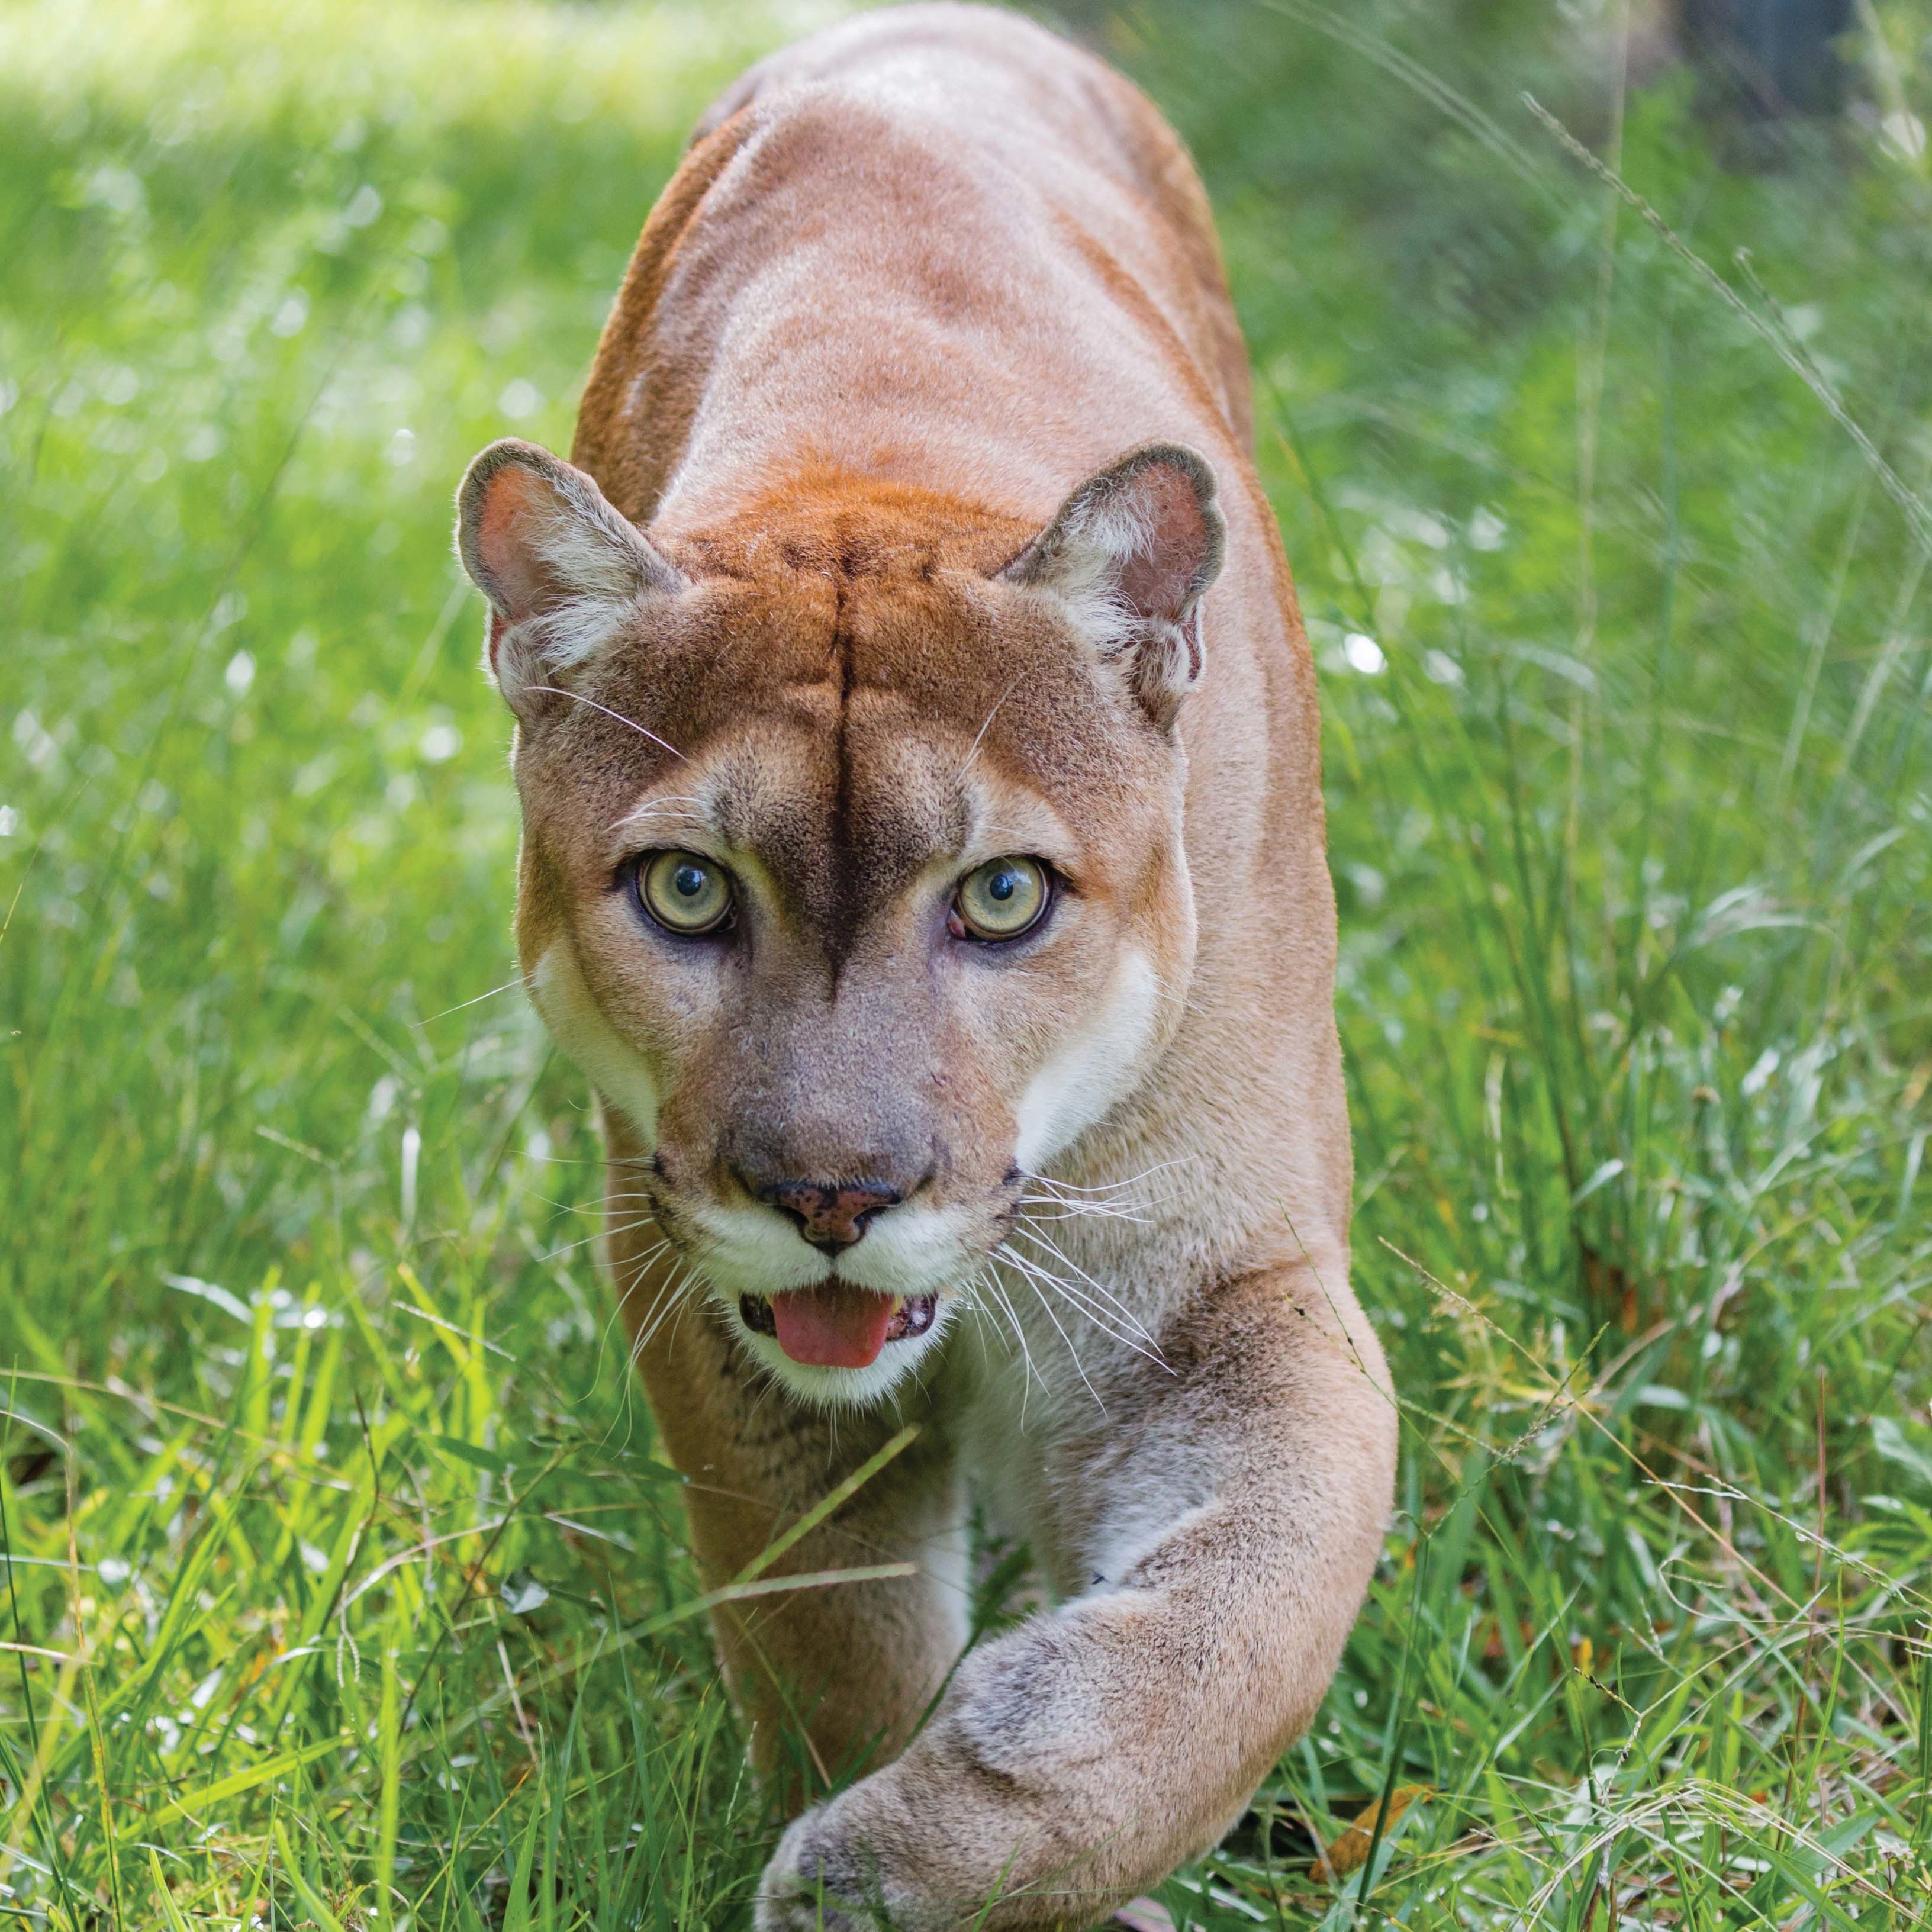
(830, 1214)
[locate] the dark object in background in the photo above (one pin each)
(1760, 61)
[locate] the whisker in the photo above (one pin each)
(652, 1316)
(562, 1206)
(980, 738)
(640, 1268)
(662, 803)
(690, 809)
(1105, 1294)
(463, 1005)
(557, 690)
(1072, 1210)
(683, 1302)
(1109, 1201)
(595, 1203)
(985, 1279)
(1109, 1186)
(1081, 1304)
(1026, 1351)
(991, 1336)
(665, 1298)
(1093, 1316)
(640, 1263)
(1078, 1369)
(610, 1322)
(670, 1295)
(600, 1233)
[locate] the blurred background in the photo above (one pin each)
(345, 1587)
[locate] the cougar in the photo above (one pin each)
(923, 857)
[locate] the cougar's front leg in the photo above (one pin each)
(1233, 1513)
(851, 1667)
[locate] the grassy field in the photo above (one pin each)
(344, 1586)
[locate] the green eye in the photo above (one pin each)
(684, 893)
(1001, 900)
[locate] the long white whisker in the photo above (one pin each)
(639, 1268)
(462, 1005)
(985, 728)
(1079, 1202)
(992, 1336)
(683, 1303)
(1102, 1292)
(1041, 1276)
(1078, 1369)
(557, 690)
(610, 1322)
(601, 1233)
(640, 1338)
(687, 810)
(1092, 1293)
(666, 1298)
(639, 1264)
(985, 1279)
(671, 1295)
(1031, 1367)
(662, 803)
(1080, 1303)
(1110, 1186)
(563, 1207)
(1073, 1210)
(1134, 1205)
(990, 1278)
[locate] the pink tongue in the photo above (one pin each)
(832, 1327)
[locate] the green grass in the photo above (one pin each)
(345, 1585)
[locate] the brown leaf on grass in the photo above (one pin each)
(1612, 1291)
(1350, 1851)
(1144, 1914)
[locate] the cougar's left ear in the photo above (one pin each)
(1131, 553)
(563, 572)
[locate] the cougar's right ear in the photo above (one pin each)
(562, 572)
(1130, 556)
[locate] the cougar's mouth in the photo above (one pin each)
(835, 1325)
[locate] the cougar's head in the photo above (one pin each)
(852, 870)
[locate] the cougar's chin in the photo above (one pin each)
(838, 1347)
(841, 1330)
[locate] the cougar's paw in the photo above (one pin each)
(823, 1879)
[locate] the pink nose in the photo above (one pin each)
(830, 1214)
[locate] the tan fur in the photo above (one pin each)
(874, 591)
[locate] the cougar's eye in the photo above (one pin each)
(1002, 899)
(684, 893)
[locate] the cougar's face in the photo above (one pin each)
(871, 948)
(852, 877)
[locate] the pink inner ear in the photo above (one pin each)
(502, 537)
(1163, 571)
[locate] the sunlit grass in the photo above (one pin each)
(345, 1581)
